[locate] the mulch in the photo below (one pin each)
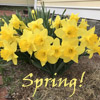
(3, 90)
(90, 89)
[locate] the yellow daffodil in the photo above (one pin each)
(8, 53)
(41, 38)
(33, 12)
(57, 22)
(83, 24)
(71, 51)
(91, 41)
(36, 25)
(23, 26)
(1, 43)
(42, 55)
(7, 33)
(90, 38)
(56, 52)
(74, 17)
(69, 30)
(89, 32)
(15, 22)
(95, 48)
(26, 42)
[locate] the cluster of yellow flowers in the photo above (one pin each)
(72, 39)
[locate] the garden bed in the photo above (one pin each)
(89, 91)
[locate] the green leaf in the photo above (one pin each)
(53, 16)
(38, 65)
(6, 18)
(59, 67)
(30, 14)
(63, 14)
(18, 15)
(6, 64)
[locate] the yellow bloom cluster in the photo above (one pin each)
(72, 40)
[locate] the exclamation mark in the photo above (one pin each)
(82, 79)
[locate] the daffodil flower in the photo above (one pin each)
(74, 17)
(42, 55)
(26, 42)
(41, 38)
(56, 52)
(36, 25)
(83, 24)
(15, 22)
(8, 53)
(57, 22)
(71, 51)
(8, 33)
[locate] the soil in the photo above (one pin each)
(90, 89)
